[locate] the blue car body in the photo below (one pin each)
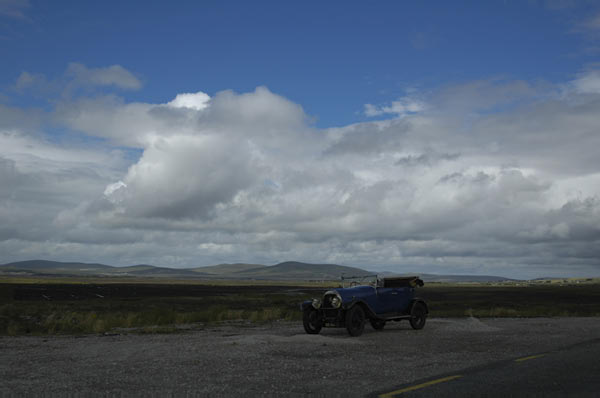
(390, 299)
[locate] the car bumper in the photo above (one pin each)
(332, 317)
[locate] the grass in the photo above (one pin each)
(31, 313)
(40, 308)
(513, 301)
(63, 320)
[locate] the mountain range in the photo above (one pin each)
(289, 270)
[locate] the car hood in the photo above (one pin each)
(351, 293)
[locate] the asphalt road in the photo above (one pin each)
(279, 359)
(572, 371)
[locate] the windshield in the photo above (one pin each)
(360, 280)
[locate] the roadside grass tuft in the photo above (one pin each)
(46, 318)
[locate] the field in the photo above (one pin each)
(64, 306)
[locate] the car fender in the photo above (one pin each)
(415, 301)
(368, 311)
(305, 304)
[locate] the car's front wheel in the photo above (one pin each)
(418, 316)
(377, 324)
(355, 320)
(312, 322)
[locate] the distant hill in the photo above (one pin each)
(44, 267)
(289, 270)
(226, 269)
(301, 271)
(55, 267)
(463, 278)
(149, 270)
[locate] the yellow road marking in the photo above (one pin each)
(528, 358)
(416, 387)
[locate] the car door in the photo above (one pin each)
(386, 299)
(394, 299)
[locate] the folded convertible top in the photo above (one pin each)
(403, 281)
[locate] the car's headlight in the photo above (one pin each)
(316, 303)
(336, 302)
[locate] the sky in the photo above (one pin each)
(431, 137)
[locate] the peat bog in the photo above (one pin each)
(79, 308)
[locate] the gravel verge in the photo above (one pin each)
(274, 359)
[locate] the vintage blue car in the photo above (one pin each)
(378, 300)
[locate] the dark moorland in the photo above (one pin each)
(73, 308)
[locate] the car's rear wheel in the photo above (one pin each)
(311, 321)
(355, 320)
(377, 324)
(418, 316)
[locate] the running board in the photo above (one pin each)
(392, 317)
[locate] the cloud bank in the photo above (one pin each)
(14, 8)
(488, 176)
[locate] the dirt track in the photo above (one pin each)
(274, 359)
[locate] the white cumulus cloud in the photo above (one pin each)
(114, 75)
(495, 176)
(197, 101)
(401, 107)
(588, 82)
